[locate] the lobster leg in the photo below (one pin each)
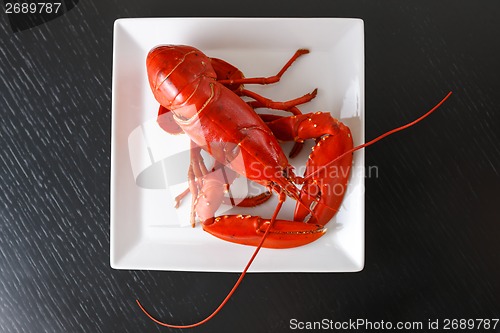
(235, 80)
(209, 189)
(180, 197)
(194, 174)
(203, 185)
(290, 106)
(250, 201)
(263, 102)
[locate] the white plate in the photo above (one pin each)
(146, 231)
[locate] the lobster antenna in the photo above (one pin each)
(236, 285)
(380, 137)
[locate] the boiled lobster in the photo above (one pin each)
(202, 97)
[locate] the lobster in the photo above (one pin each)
(202, 97)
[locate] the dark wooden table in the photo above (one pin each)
(432, 214)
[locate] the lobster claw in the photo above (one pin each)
(248, 230)
(326, 177)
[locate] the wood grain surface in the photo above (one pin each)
(432, 214)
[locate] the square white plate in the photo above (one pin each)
(146, 231)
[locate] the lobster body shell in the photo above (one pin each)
(183, 81)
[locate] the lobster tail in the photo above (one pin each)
(173, 68)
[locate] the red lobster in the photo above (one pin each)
(201, 97)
